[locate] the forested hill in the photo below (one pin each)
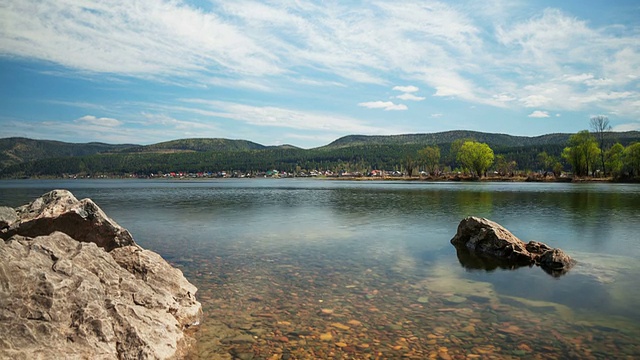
(447, 137)
(196, 145)
(21, 157)
(17, 150)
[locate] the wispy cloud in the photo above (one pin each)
(99, 122)
(480, 54)
(410, 97)
(140, 38)
(171, 124)
(539, 114)
(271, 116)
(627, 127)
(406, 89)
(385, 105)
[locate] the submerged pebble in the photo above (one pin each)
(274, 313)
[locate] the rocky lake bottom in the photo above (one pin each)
(301, 269)
(273, 306)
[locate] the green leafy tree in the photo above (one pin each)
(557, 169)
(631, 159)
(454, 149)
(614, 159)
(430, 157)
(475, 156)
(546, 162)
(582, 153)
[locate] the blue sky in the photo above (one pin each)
(308, 72)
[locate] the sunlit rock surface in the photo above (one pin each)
(73, 284)
(7, 217)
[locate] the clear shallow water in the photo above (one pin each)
(338, 269)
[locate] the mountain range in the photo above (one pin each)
(385, 148)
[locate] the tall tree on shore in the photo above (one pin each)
(454, 149)
(582, 153)
(632, 159)
(503, 166)
(546, 162)
(600, 126)
(409, 165)
(475, 156)
(430, 157)
(615, 159)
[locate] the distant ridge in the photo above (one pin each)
(196, 145)
(15, 150)
(447, 137)
(28, 156)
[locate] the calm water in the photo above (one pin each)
(334, 269)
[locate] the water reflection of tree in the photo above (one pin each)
(386, 202)
(593, 212)
(477, 203)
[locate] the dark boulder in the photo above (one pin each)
(487, 242)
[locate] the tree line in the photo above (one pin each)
(587, 153)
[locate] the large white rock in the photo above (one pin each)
(63, 298)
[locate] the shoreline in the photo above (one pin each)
(457, 178)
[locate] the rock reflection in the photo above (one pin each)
(474, 262)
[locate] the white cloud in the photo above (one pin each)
(141, 38)
(245, 83)
(535, 100)
(436, 115)
(406, 89)
(458, 53)
(627, 127)
(272, 116)
(581, 78)
(100, 122)
(602, 96)
(78, 104)
(599, 82)
(539, 114)
(386, 105)
(171, 123)
(551, 52)
(546, 36)
(504, 97)
(410, 97)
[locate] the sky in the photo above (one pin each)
(305, 73)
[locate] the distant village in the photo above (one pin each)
(260, 174)
(280, 174)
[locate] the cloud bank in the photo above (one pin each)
(512, 56)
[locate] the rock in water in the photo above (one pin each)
(483, 236)
(489, 240)
(97, 297)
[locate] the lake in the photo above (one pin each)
(296, 268)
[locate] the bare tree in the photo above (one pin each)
(409, 165)
(600, 126)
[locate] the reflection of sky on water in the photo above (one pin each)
(401, 229)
